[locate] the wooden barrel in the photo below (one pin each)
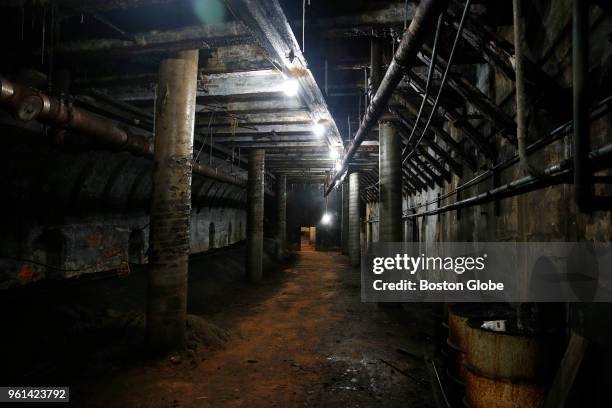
(509, 368)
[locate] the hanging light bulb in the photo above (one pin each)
(326, 216)
(326, 219)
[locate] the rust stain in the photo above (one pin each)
(94, 240)
(26, 274)
(111, 252)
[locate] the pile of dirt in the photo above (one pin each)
(202, 337)
(202, 332)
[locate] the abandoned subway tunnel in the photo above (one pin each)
(225, 203)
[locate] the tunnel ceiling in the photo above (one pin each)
(248, 49)
(337, 43)
(112, 50)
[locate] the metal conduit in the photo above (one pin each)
(521, 98)
(449, 64)
(412, 40)
(600, 109)
(430, 74)
(580, 68)
(598, 160)
(30, 104)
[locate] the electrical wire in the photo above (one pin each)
(212, 115)
(521, 98)
(432, 64)
(444, 78)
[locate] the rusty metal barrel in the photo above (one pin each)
(458, 330)
(457, 342)
(507, 367)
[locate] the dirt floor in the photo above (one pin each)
(302, 338)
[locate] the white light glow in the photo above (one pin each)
(338, 166)
(333, 154)
(326, 219)
(318, 129)
(291, 87)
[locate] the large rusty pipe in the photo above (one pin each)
(412, 40)
(30, 104)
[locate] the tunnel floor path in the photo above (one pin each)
(302, 340)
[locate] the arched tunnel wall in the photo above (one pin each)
(69, 213)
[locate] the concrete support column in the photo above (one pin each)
(171, 202)
(345, 217)
(281, 216)
(255, 214)
(368, 223)
(390, 173)
(354, 227)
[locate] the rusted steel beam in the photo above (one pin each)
(460, 84)
(500, 53)
(456, 166)
(198, 36)
(451, 143)
(424, 160)
(87, 6)
(409, 185)
(412, 40)
(439, 179)
(423, 175)
(30, 104)
(414, 178)
(453, 164)
(456, 119)
(223, 59)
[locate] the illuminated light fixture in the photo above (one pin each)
(338, 166)
(326, 219)
(333, 154)
(318, 129)
(291, 87)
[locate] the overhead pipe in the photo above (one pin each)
(428, 84)
(30, 104)
(598, 159)
(412, 40)
(449, 64)
(599, 110)
(581, 140)
(521, 98)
